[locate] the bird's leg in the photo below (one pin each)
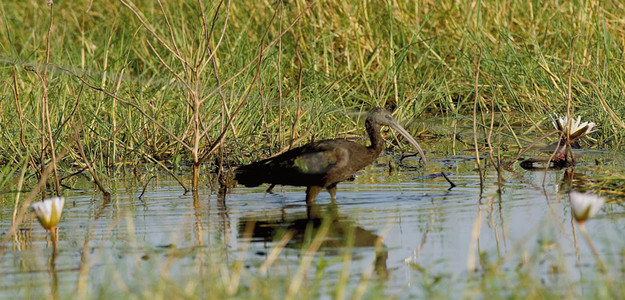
(332, 190)
(313, 211)
(311, 194)
(269, 190)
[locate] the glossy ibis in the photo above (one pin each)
(323, 164)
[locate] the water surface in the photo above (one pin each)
(402, 229)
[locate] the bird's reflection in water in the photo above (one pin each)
(342, 232)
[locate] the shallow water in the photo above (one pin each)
(405, 228)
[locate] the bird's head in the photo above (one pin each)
(383, 117)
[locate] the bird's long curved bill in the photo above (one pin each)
(410, 139)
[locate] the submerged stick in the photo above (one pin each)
(145, 187)
(452, 185)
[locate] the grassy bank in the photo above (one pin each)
(268, 73)
(107, 86)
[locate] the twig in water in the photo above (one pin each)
(145, 187)
(452, 185)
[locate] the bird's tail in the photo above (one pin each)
(248, 177)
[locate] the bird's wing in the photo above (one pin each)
(305, 165)
(312, 159)
(319, 162)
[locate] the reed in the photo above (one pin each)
(165, 79)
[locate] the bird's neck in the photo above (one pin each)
(377, 142)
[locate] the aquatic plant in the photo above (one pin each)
(48, 213)
(584, 205)
(572, 128)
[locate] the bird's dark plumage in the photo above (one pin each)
(325, 163)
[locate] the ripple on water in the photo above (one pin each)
(414, 212)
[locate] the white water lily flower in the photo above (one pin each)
(49, 211)
(584, 205)
(573, 128)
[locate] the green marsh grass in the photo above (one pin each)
(416, 58)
